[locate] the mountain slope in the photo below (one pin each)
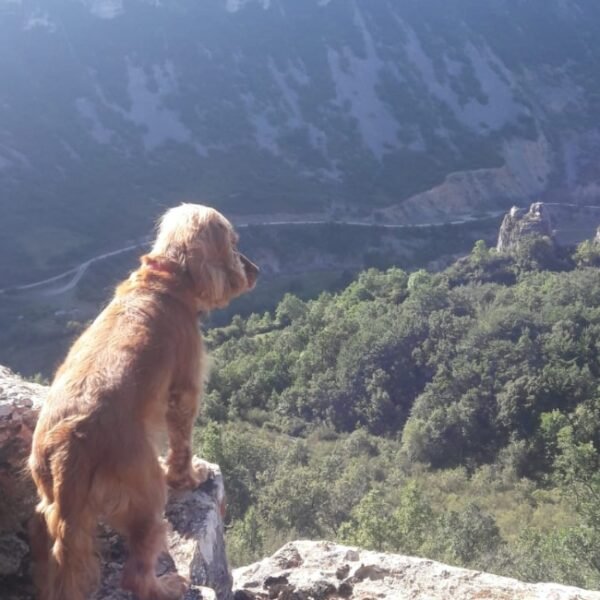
(116, 108)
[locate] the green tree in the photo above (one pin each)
(480, 255)
(588, 254)
(290, 309)
(470, 537)
(245, 540)
(578, 471)
(370, 523)
(413, 521)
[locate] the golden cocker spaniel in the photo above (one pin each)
(134, 375)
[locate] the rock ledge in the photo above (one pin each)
(306, 570)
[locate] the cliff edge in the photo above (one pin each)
(325, 571)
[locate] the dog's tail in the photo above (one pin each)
(63, 530)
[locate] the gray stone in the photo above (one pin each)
(331, 571)
(13, 551)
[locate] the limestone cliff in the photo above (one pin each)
(520, 224)
(524, 174)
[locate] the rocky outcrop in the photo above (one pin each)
(322, 570)
(520, 224)
(565, 224)
(19, 405)
(524, 174)
(196, 540)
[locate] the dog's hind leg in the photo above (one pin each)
(141, 521)
(146, 538)
(63, 528)
(73, 568)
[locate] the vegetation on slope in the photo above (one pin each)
(452, 415)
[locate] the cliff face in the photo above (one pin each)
(524, 174)
(322, 570)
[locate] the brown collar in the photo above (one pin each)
(179, 287)
(162, 265)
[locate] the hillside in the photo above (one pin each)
(451, 415)
(315, 570)
(421, 110)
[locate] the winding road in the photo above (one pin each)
(73, 276)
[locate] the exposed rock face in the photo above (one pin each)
(524, 175)
(322, 570)
(19, 405)
(196, 542)
(520, 224)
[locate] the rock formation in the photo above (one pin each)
(19, 405)
(565, 224)
(322, 570)
(196, 542)
(519, 224)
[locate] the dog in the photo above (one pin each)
(134, 376)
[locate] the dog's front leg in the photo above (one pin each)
(182, 472)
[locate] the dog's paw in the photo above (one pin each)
(198, 472)
(172, 586)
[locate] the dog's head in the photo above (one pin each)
(204, 243)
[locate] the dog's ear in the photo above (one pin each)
(209, 280)
(208, 260)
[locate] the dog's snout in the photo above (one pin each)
(250, 269)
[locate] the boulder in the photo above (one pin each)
(322, 570)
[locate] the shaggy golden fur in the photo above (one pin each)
(134, 375)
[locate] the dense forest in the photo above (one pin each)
(453, 415)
